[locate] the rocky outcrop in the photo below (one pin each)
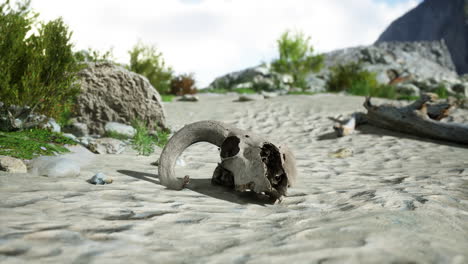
(435, 20)
(421, 65)
(259, 78)
(14, 118)
(110, 93)
(426, 64)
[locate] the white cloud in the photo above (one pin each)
(214, 37)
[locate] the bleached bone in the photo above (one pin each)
(248, 161)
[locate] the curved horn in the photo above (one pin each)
(204, 131)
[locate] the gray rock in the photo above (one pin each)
(71, 136)
(316, 84)
(78, 129)
(119, 128)
(54, 166)
(407, 89)
(189, 98)
(260, 78)
(110, 93)
(12, 165)
(435, 20)
(106, 146)
(100, 179)
(415, 62)
(13, 118)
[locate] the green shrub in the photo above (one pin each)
(296, 57)
(147, 61)
(353, 79)
(183, 84)
(31, 143)
(36, 69)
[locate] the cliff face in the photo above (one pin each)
(435, 20)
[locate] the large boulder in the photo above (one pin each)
(110, 93)
(435, 20)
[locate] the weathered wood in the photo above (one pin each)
(419, 118)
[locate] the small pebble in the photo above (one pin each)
(342, 153)
(100, 179)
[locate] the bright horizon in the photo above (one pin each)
(213, 37)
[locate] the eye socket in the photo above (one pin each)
(230, 147)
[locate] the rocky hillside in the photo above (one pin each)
(424, 65)
(435, 20)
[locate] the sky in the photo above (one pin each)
(210, 38)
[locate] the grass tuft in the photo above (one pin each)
(31, 143)
(167, 97)
(143, 142)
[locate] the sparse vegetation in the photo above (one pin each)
(31, 143)
(167, 97)
(246, 91)
(300, 93)
(91, 55)
(116, 135)
(296, 57)
(147, 61)
(353, 79)
(37, 68)
(441, 91)
(225, 91)
(143, 142)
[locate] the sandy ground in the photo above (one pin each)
(398, 199)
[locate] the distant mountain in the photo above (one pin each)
(435, 20)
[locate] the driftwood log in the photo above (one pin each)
(421, 118)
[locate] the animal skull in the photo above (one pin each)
(248, 162)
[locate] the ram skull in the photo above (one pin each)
(248, 162)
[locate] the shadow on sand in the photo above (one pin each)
(204, 186)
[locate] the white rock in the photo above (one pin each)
(54, 166)
(107, 146)
(51, 125)
(12, 165)
(119, 128)
(244, 85)
(71, 136)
